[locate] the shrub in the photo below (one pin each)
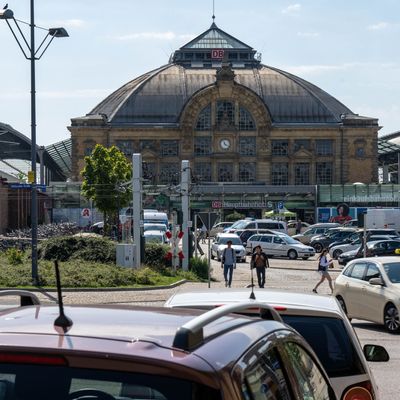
(145, 276)
(96, 249)
(15, 256)
(199, 266)
(154, 256)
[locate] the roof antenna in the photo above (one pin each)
(62, 321)
(252, 295)
(213, 16)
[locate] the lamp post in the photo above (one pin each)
(32, 54)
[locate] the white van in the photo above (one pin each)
(155, 217)
(271, 224)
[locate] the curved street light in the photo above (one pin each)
(31, 53)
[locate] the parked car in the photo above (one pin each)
(257, 224)
(155, 237)
(98, 227)
(336, 250)
(219, 228)
(313, 230)
(244, 234)
(291, 227)
(368, 288)
(320, 320)
(351, 223)
(321, 242)
(280, 245)
(220, 243)
(374, 249)
(132, 353)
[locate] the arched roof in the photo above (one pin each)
(159, 96)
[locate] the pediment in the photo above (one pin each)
(303, 153)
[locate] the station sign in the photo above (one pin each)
(217, 54)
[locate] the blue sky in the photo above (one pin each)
(349, 48)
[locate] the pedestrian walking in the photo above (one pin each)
(298, 226)
(323, 265)
(203, 233)
(228, 263)
(259, 261)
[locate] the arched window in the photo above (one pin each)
(204, 119)
(225, 114)
(246, 121)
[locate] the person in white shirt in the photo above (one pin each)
(323, 265)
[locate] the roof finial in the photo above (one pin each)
(213, 16)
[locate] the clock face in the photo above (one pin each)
(225, 144)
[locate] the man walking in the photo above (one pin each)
(259, 261)
(228, 263)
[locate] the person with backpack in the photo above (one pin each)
(323, 265)
(228, 263)
(259, 261)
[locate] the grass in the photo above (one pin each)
(85, 274)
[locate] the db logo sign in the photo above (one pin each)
(217, 54)
(216, 204)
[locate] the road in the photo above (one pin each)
(299, 276)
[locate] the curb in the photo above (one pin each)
(65, 290)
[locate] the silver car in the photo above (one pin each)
(220, 243)
(320, 320)
(280, 245)
(369, 288)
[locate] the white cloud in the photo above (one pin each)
(308, 34)
(379, 26)
(155, 35)
(293, 8)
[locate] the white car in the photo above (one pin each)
(220, 243)
(320, 320)
(369, 288)
(291, 227)
(155, 237)
(154, 227)
(219, 228)
(280, 245)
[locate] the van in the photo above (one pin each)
(243, 224)
(155, 217)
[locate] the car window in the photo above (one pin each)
(254, 238)
(266, 239)
(278, 240)
(348, 270)
(311, 383)
(263, 225)
(251, 225)
(392, 271)
(46, 382)
(320, 230)
(393, 245)
(372, 272)
(358, 270)
(265, 380)
(330, 340)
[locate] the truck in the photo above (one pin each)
(380, 218)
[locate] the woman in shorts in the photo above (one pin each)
(323, 265)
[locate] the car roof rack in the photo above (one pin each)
(190, 335)
(26, 298)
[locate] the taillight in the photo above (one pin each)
(18, 358)
(362, 391)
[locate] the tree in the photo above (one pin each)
(234, 216)
(104, 181)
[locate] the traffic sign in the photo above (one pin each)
(208, 218)
(280, 205)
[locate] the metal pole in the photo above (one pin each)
(195, 235)
(365, 234)
(34, 210)
(137, 205)
(209, 253)
(185, 176)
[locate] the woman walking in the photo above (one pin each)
(259, 261)
(323, 265)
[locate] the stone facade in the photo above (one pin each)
(3, 207)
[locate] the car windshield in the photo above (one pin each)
(234, 240)
(155, 227)
(290, 240)
(60, 382)
(329, 339)
(239, 224)
(153, 238)
(392, 271)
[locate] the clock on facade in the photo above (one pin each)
(225, 144)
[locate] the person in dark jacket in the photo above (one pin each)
(259, 261)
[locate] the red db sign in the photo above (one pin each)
(217, 54)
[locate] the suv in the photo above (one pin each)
(130, 353)
(320, 320)
(313, 230)
(220, 244)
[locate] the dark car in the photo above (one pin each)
(245, 234)
(374, 249)
(332, 235)
(131, 353)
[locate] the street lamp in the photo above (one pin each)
(32, 53)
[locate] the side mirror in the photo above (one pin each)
(376, 282)
(244, 244)
(375, 353)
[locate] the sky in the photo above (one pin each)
(349, 48)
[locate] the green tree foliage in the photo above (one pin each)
(105, 173)
(234, 216)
